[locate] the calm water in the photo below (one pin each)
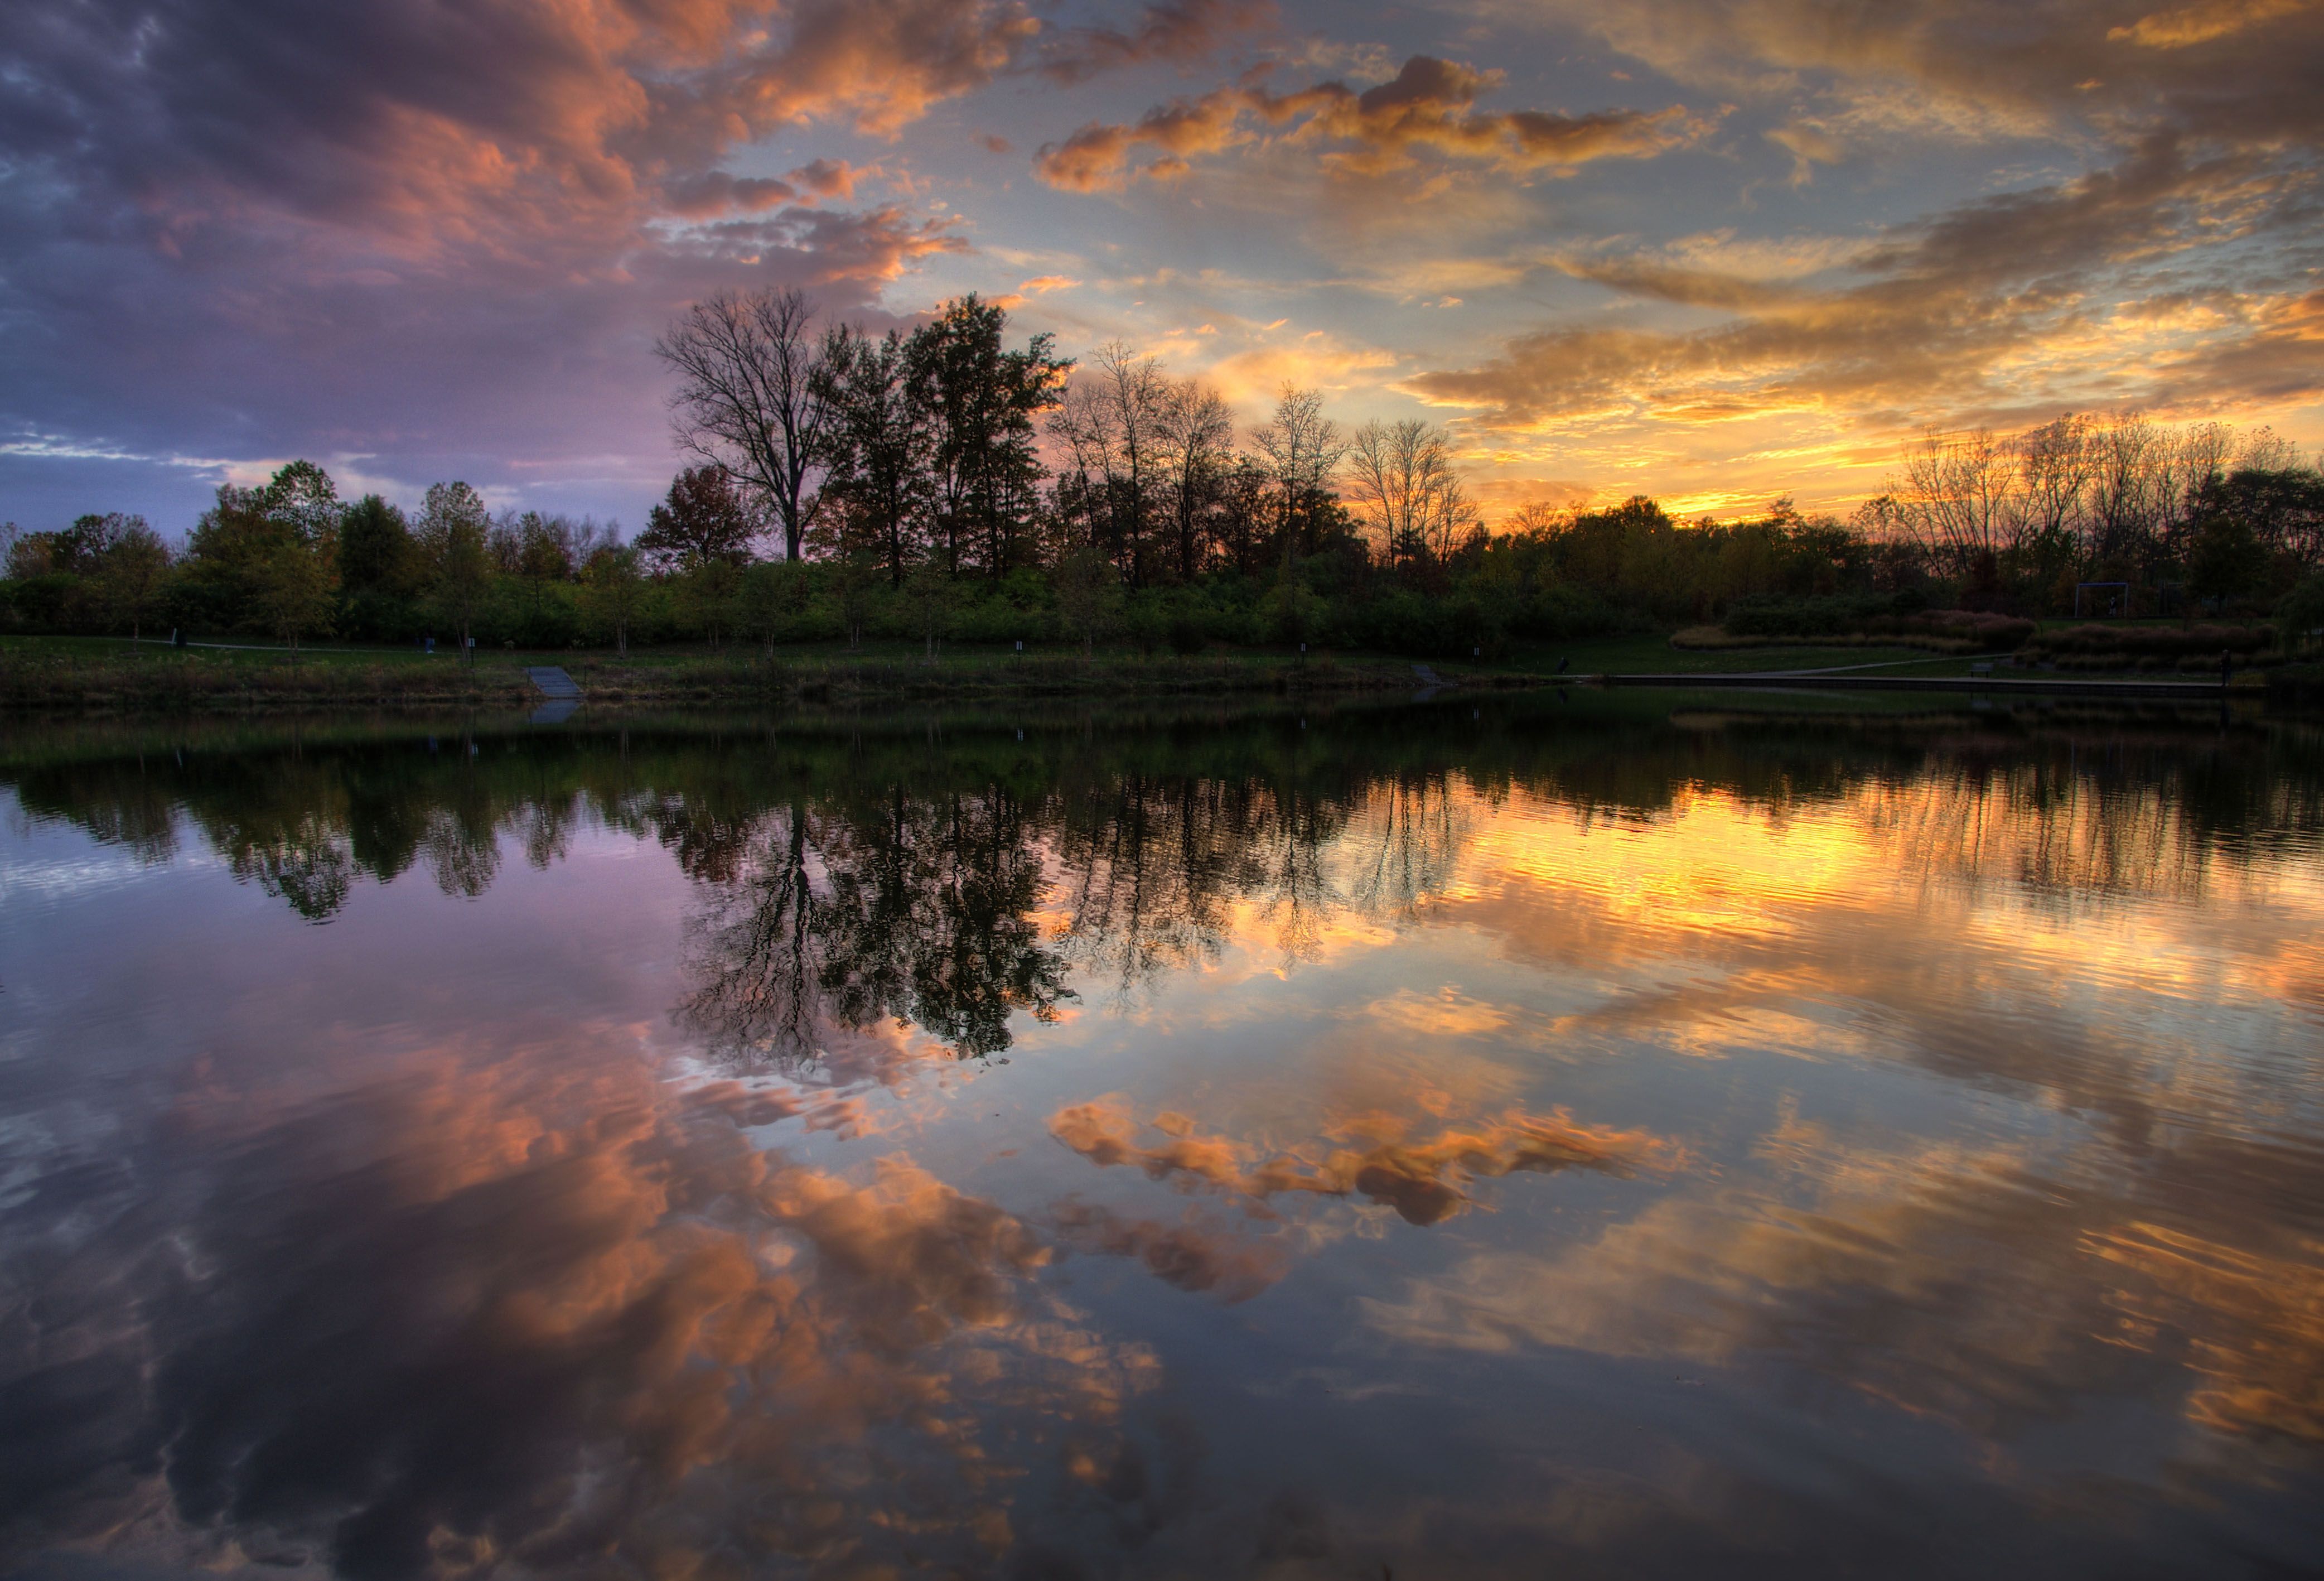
(1628, 1137)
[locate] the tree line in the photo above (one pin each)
(943, 485)
(2201, 512)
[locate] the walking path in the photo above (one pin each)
(1889, 664)
(1986, 684)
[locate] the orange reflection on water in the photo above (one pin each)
(574, 1310)
(1420, 1179)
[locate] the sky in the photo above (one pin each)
(1711, 250)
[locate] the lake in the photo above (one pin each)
(1615, 1134)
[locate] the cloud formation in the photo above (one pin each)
(545, 1309)
(1982, 69)
(1429, 104)
(417, 241)
(515, 122)
(1983, 309)
(320, 212)
(1421, 1181)
(1180, 33)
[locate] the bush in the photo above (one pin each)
(1904, 618)
(2300, 618)
(1838, 615)
(1185, 630)
(2123, 645)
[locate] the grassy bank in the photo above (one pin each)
(102, 676)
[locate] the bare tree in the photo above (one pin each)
(2128, 485)
(1304, 449)
(1194, 455)
(2054, 468)
(2263, 450)
(1111, 423)
(1958, 496)
(748, 398)
(1405, 477)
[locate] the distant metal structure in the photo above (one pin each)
(2117, 600)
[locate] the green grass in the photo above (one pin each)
(100, 676)
(110, 675)
(256, 656)
(1650, 653)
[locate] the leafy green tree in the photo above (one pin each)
(2300, 616)
(2282, 507)
(707, 598)
(544, 553)
(382, 572)
(929, 595)
(132, 574)
(772, 594)
(877, 445)
(703, 519)
(231, 555)
(614, 588)
(2227, 557)
(858, 570)
(453, 524)
(1089, 596)
(979, 402)
(376, 552)
(295, 592)
(302, 498)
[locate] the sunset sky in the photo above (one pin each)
(1713, 250)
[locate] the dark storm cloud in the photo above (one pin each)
(427, 238)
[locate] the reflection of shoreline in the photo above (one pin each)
(345, 808)
(512, 1293)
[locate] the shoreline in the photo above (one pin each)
(46, 683)
(166, 683)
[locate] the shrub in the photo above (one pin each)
(2122, 644)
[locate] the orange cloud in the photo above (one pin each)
(1427, 105)
(2200, 25)
(1421, 1181)
(1982, 310)
(547, 1305)
(522, 129)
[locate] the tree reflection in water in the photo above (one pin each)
(514, 1299)
(916, 910)
(948, 880)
